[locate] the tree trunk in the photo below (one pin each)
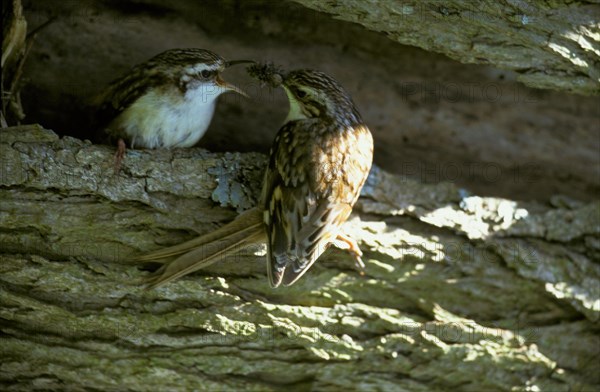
(552, 45)
(460, 292)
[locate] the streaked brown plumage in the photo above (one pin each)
(318, 164)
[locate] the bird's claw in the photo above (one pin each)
(119, 155)
(344, 242)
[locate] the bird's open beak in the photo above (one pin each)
(223, 84)
(227, 86)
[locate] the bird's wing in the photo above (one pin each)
(307, 196)
(123, 92)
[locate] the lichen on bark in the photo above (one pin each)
(461, 291)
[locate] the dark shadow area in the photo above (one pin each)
(433, 119)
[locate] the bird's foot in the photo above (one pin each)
(344, 242)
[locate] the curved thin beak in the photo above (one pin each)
(223, 84)
(236, 62)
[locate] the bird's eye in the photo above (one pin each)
(300, 93)
(206, 74)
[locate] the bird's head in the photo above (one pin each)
(313, 94)
(197, 68)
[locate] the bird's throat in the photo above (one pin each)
(296, 110)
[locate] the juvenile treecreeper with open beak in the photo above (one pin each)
(165, 102)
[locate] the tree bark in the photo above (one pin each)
(460, 292)
(550, 44)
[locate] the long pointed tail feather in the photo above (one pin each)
(246, 218)
(202, 257)
(200, 252)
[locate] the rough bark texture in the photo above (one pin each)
(461, 292)
(551, 44)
